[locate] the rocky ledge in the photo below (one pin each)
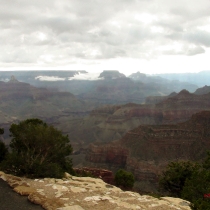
(85, 193)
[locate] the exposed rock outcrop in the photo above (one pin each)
(85, 193)
(106, 175)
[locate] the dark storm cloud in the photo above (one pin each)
(53, 31)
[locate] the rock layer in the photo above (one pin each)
(147, 150)
(109, 123)
(106, 175)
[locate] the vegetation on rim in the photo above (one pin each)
(124, 179)
(190, 181)
(37, 150)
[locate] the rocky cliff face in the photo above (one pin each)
(110, 154)
(146, 150)
(109, 123)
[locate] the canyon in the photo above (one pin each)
(109, 123)
(142, 138)
(147, 149)
(86, 124)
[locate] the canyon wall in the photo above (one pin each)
(110, 123)
(147, 150)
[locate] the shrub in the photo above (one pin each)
(195, 189)
(174, 177)
(124, 179)
(3, 151)
(38, 150)
(189, 181)
(3, 148)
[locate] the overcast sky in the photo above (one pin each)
(150, 36)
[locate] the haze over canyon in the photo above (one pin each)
(138, 122)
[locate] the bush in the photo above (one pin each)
(189, 181)
(3, 148)
(196, 187)
(38, 150)
(174, 177)
(124, 179)
(1, 131)
(3, 151)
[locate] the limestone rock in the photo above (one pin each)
(45, 202)
(3, 176)
(14, 183)
(85, 193)
(177, 201)
(2, 173)
(23, 190)
(67, 175)
(75, 207)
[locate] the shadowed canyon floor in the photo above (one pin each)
(85, 193)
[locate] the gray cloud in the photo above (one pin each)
(195, 51)
(199, 37)
(54, 32)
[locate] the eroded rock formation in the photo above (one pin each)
(106, 175)
(109, 123)
(146, 150)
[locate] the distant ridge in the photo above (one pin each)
(107, 87)
(202, 90)
(111, 74)
(201, 78)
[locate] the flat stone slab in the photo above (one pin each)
(75, 207)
